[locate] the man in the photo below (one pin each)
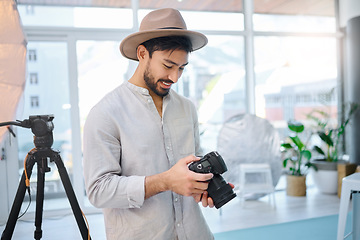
(140, 138)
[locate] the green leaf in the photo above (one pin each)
(310, 165)
(319, 150)
(295, 126)
(296, 140)
(306, 154)
(286, 145)
(341, 130)
(285, 162)
(326, 138)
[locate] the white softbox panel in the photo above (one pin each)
(12, 61)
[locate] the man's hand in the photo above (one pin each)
(186, 182)
(178, 179)
(207, 201)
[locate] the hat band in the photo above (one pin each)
(171, 28)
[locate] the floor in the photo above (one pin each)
(234, 215)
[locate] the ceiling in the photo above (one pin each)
(289, 7)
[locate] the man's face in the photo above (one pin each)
(164, 69)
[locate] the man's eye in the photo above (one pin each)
(166, 66)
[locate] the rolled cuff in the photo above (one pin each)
(136, 191)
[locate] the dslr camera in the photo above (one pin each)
(220, 191)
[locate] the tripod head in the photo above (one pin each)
(41, 126)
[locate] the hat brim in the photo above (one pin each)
(129, 45)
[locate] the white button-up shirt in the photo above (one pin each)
(125, 139)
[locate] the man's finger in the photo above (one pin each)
(201, 185)
(197, 197)
(190, 159)
(204, 199)
(211, 202)
(202, 177)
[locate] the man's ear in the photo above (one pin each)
(141, 52)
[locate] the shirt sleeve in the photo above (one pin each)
(105, 186)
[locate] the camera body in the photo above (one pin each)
(220, 191)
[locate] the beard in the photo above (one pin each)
(152, 84)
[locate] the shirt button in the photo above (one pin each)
(149, 100)
(143, 90)
(176, 199)
(178, 224)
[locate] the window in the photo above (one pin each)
(34, 101)
(295, 69)
(294, 16)
(202, 15)
(32, 55)
(215, 81)
(53, 93)
(34, 78)
(293, 72)
(290, 65)
(80, 17)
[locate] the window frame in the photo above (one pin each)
(72, 35)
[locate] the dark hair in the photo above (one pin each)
(168, 43)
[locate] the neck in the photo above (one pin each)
(138, 80)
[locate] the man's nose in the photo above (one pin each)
(175, 75)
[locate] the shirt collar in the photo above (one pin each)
(141, 90)
(144, 91)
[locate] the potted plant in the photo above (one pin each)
(326, 178)
(296, 159)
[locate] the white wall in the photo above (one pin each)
(9, 179)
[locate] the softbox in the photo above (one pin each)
(12, 61)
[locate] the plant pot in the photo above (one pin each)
(326, 177)
(295, 185)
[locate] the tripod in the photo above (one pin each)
(42, 128)
(40, 156)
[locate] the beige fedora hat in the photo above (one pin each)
(160, 23)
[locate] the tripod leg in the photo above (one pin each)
(71, 196)
(19, 197)
(39, 199)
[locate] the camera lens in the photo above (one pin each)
(220, 191)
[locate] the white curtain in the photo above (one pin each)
(12, 61)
